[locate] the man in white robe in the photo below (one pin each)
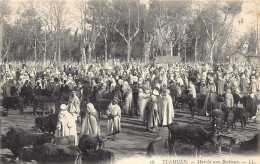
(90, 124)
(167, 108)
(66, 125)
(143, 100)
(114, 117)
(74, 105)
(153, 119)
(229, 100)
(127, 92)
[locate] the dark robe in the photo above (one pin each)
(135, 89)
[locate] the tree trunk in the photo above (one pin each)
(185, 53)
(128, 50)
(162, 50)
(211, 53)
(44, 57)
(195, 49)
(83, 55)
(105, 49)
(89, 54)
(59, 55)
(55, 56)
(45, 50)
(218, 52)
(146, 52)
(35, 52)
(179, 50)
(70, 54)
(129, 33)
(171, 49)
(1, 40)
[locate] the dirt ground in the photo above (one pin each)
(134, 138)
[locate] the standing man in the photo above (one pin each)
(153, 113)
(193, 99)
(211, 97)
(27, 92)
(128, 96)
(74, 105)
(143, 100)
(66, 124)
(135, 89)
(90, 124)
(79, 90)
(229, 100)
(6, 93)
(221, 84)
(114, 117)
(86, 91)
(167, 111)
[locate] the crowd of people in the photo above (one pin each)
(151, 92)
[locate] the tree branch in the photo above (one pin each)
(119, 31)
(240, 53)
(176, 40)
(138, 22)
(222, 25)
(212, 30)
(207, 30)
(228, 32)
(40, 44)
(7, 48)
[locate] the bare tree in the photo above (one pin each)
(215, 18)
(4, 11)
(53, 13)
(89, 26)
(7, 47)
(129, 38)
(106, 22)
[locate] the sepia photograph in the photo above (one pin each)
(129, 81)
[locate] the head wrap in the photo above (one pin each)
(135, 79)
(63, 107)
(90, 106)
(155, 92)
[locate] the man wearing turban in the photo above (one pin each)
(114, 117)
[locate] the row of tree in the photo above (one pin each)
(84, 30)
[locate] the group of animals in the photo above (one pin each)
(241, 113)
(229, 116)
(221, 115)
(42, 102)
(198, 136)
(44, 147)
(181, 96)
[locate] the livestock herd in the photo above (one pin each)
(29, 145)
(40, 144)
(198, 136)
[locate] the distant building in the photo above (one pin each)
(250, 58)
(253, 58)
